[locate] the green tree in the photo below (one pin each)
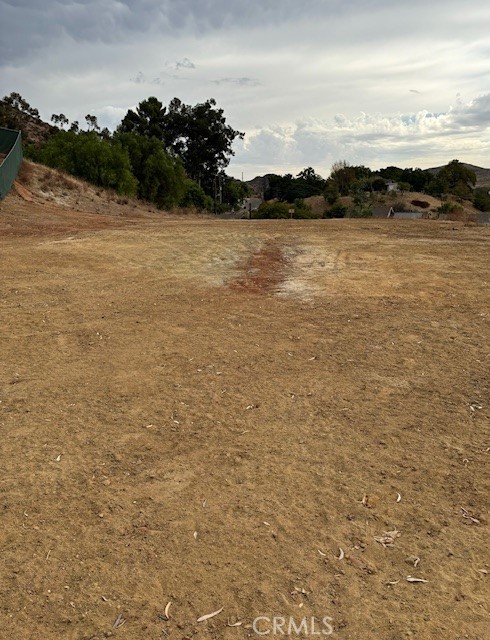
(233, 191)
(481, 199)
(345, 178)
(361, 205)
(148, 119)
(272, 210)
(200, 137)
(455, 179)
(92, 123)
(59, 120)
(161, 177)
(194, 196)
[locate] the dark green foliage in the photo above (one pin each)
(298, 210)
(161, 178)
(194, 196)
(448, 207)
(288, 189)
(344, 179)
(92, 123)
(338, 210)
(59, 120)
(233, 191)
(302, 211)
(404, 186)
(455, 179)
(272, 210)
(361, 207)
(148, 120)
(481, 199)
(16, 101)
(313, 180)
(391, 173)
(417, 179)
(331, 193)
(86, 156)
(198, 135)
(378, 184)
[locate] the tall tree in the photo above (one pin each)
(198, 135)
(59, 120)
(148, 119)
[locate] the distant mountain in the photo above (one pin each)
(259, 185)
(482, 175)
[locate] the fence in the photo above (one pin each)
(11, 152)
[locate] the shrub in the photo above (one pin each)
(338, 210)
(399, 206)
(194, 196)
(449, 207)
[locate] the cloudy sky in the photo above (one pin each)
(374, 82)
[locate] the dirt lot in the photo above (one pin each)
(228, 414)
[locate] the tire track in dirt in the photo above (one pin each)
(264, 271)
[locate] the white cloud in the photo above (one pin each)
(419, 139)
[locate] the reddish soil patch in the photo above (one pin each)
(263, 271)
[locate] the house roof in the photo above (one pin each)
(382, 212)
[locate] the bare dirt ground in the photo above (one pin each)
(228, 414)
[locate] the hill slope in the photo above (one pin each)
(482, 175)
(48, 201)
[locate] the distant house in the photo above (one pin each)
(391, 185)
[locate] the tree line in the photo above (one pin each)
(172, 155)
(361, 183)
(176, 155)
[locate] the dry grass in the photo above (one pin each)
(53, 180)
(26, 173)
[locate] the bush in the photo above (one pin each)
(338, 210)
(481, 199)
(194, 196)
(86, 156)
(399, 206)
(449, 207)
(272, 210)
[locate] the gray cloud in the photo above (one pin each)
(185, 63)
(309, 70)
(242, 82)
(29, 25)
(140, 78)
(476, 114)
